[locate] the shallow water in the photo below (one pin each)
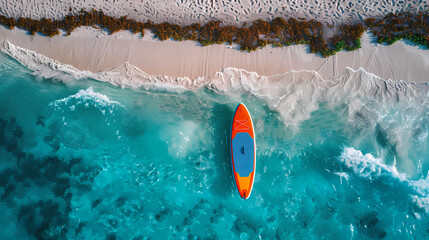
(84, 159)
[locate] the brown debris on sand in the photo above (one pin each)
(278, 32)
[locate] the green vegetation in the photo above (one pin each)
(278, 32)
(393, 27)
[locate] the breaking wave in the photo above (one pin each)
(392, 113)
(162, 159)
(299, 92)
(86, 97)
(373, 169)
(296, 94)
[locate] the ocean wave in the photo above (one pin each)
(371, 168)
(43, 66)
(86, 97)
(230, 79)
(394, 113)
(368, 166)
(125, 75)
(86, 102)
(371, 190)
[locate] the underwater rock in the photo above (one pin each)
(281, 234)
(241, 225)
(52, 141)
(9, 189)
(44, 219)
(11, 135)
(162, 215)
(368, 224)
(80, 227)
(120, 201)
(111, 236)
(41, 121)
(95, 203)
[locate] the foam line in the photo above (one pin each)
(295, 94)
(369, 167)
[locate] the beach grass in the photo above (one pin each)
(278, 32)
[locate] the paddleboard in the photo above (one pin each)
(243, 151)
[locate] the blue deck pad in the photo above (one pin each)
(243, 152)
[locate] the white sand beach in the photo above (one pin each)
(94, 50)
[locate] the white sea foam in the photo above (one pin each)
(86, 97)
(397, 110)
(43, 66)
(369, 167)
(125, 75)
(294, 94)
(129, 76)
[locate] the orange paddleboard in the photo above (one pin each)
(243, 151)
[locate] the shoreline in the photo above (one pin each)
(95, 50)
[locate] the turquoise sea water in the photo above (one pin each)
(87, 160)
